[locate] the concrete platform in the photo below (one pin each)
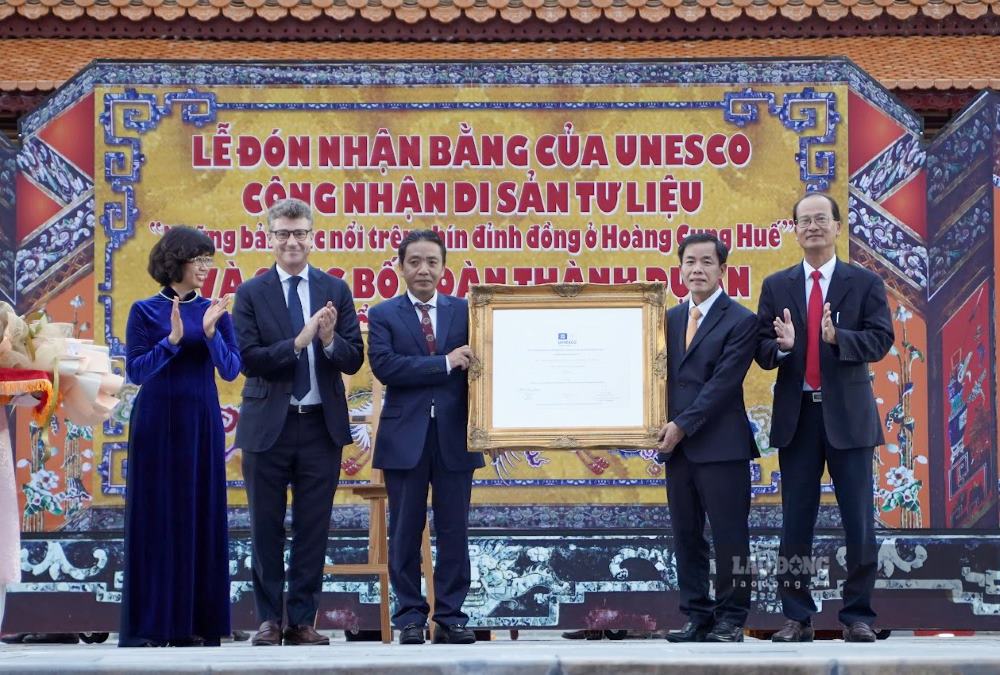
(535, 654)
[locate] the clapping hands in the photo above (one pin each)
(322, 323)
(214, 312)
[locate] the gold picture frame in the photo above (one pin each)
(486, 300)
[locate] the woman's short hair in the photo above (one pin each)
(179, 245)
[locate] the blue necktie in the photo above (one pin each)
(301, 385)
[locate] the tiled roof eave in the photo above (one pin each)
(513, 11)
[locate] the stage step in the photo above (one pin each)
(530, 655)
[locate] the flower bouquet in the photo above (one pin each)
(42, 359)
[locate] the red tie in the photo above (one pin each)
(814, 320)
(427, 327)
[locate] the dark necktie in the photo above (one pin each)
(427, 327)
(301, 386)
(814, 319)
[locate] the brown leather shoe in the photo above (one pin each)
(268, 635)
(859, 631)
(304, 635)
(793, 631)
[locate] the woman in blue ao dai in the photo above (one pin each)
(176, 581)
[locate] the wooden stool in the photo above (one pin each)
(378, 536)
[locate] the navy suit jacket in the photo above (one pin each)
(400, 359)
(864, 335)
(264, 334)
(705, 381)
(413, 378)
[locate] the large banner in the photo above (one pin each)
(534, 173)
(526, 184)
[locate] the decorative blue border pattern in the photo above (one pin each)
(559, 517)
(882, 233)
(46, 248)
(890, 168)
(141, 113)
(996, 145)
(954, 152)
(623, 579)
(8, 171)
(960, 241)
(108, 452)
(350, 74)
(800, 113)
(52, 172)
(8, 235)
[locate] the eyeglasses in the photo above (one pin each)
(282, 235)
(202, 261)
(820, 221)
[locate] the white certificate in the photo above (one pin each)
(567, 368)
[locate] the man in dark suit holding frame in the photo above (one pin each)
(707, 445)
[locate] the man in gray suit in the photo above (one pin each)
(297, 332)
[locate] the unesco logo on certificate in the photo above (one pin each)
(565, 339)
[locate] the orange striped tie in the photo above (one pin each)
(692, 326)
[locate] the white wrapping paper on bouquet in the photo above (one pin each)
(85, 384)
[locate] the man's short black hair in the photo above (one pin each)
(421, 235)
(834, 207)
(721, 252)
(179, 245)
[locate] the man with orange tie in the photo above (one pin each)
(821, 323)
(707, 445)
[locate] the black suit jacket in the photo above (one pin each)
(264, 334)
(705, 381)
(864, 335)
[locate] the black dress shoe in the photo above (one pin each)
(691, 632)
(412, 634)
(51, 638)
(455, 634)
(584, 634)
(859, 631)
(794, 631)
(18, 638)
(725, 631)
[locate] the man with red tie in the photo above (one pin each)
(822, 322)
(418, 345)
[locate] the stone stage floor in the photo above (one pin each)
(535, 652)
